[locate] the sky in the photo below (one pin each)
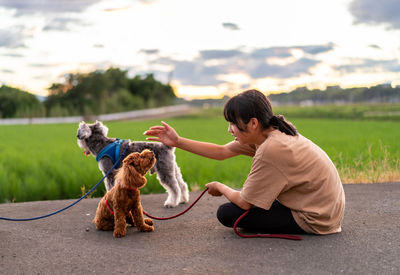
(204, 49)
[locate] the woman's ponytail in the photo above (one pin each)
(282, 125)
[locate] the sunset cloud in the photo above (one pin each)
(13, 37)
(29, 7)
(236, 61)
(376, 12)
(370, 65)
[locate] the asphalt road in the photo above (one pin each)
(196, 243)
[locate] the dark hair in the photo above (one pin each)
(252, 103)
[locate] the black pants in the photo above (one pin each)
(278, 219)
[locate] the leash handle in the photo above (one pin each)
(72, 204)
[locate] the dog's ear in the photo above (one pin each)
(129, 174)
(130, 159)
(103, 129)
(83, 131)
(137, 179)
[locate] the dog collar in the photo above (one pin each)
(111, 151)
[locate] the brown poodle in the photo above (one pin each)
(122, 202)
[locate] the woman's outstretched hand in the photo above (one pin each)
(165, 134)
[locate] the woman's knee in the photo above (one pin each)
(228, 213)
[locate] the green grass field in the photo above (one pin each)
(380, 112)
(43, 162)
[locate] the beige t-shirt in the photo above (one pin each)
(300, 175)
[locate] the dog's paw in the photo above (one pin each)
(147, 228)
(148, 221)
(170, 203)
(185, 198)
(172, 200)
(119, 233)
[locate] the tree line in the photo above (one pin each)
(98, 92)
(18, 103)
(335, 95)
(111, 91)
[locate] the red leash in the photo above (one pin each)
(179, 214)
(282, 236)
(156, 218)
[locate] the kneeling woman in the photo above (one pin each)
(293, 186)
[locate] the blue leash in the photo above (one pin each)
(72, 204)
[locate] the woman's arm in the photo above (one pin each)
(167, 135)
(218, 189)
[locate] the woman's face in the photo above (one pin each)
(240, 136)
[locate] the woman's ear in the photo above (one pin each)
(253, 123)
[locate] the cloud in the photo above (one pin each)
(296, 68)
(59, 15)
(61, 24)
(195, 73)
(42, 65)
(13, 37)
(200, 71)
(272, 52)
(374, 46)
(283, 52)
(230, 26)
(28, 7)
(7, 71)
(376, 12)
(149, 51)
(317, 49)
(219, 54)
(370, 65)
(11, 54)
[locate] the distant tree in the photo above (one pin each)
(18, 103)
(106, 92)
(153, 92)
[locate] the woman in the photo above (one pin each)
(293, 186)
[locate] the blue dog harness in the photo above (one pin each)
(111, 151)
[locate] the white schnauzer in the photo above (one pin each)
(92, 138)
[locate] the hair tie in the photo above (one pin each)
(274, 120)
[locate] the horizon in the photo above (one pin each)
(43, 97)
(202, 52)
